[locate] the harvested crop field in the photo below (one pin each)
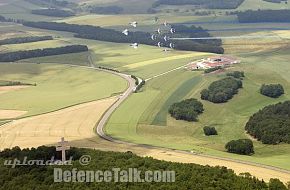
(74, 123)
(10, 114)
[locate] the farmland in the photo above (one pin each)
(54, 87)
(143, 118)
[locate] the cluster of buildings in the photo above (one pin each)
(213, 62)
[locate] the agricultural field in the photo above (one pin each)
(151, 124)
(20, 9)
(143, 118)
(54, 87)
(259, 4)
(48, 128)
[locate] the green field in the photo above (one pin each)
(149, 123)
(20, 9)
(259, 4)
(143, 117)
(58, 86)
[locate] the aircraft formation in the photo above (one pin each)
(158, 34)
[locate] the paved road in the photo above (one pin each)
(259, 170)
(284, 175)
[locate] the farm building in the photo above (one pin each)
(212, 62)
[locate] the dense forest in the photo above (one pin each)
(211, 4)
(272, 90)
(53, 12)
(106, 10)
(187, 110)
(264, 16)
(271, 125)
(222, 90)
(188, 176)
(110, 35)
(26, 54)
(21, 40)
(241, 146)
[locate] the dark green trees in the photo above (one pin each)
(111, 35)
(208, 131)
(271, 125)
(21, 40)
(188, 176)
(222, 90)
(264, 16)
(272, 90)
(18, 55)
(187, 110)
(241, 146)
(276, 184)
(236, 74)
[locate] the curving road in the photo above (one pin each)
(259, 170)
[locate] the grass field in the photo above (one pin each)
(58, 86)
(34, 45)
(259, 4)
(20, 9)
(143, 117)
(149, 123)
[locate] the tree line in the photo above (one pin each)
(26, 54)
(276, 1)
(251, 16)
(106, 10)
(20, 40)
(222, 90)
(15, 83)
(53, 12)
(110, 35)
(271, 124)
(188, 176)
(211, 4)
(187, 110)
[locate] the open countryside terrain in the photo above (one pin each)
(54, 87)
(143, 118)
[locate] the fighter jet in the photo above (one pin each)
(172, 30)
(171, 45)
(126, 32)
(153, 37)
(159, 44)
(166, 38)
(135, 45)
(159, 31)
(134, 24)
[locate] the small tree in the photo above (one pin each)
(241, 146)
(208, 131)
(272, 90)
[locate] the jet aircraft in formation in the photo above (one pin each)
(156, 36)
